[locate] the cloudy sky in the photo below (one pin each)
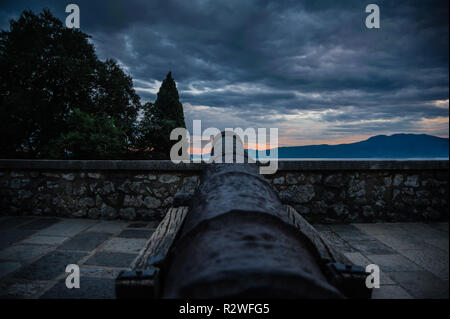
(310, 68)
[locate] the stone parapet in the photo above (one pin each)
(326, 191)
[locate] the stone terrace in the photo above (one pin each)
(34, 252)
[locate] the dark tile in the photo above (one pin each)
(49, 266)
(136, 233)
(39, 224)
(343, 228)
(9, 237)
(24, 253)
(321, 227)
(85, 241)
(421, 284)
(100, 272)
(390, 292)
(372, 247)
(14, 222)
(7, 267)
(12, 288)
(111, 259)
(137, 225)
(90, 288)
(350, 233)
(393, 263)
(440, 226)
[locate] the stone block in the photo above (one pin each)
(9, 237)
(127, 213)
(432, 259)
(136, 233)
(67, 227)
(23, 289)
(45, 240)
(291, 179)
(300, 193)
(94, 175)
(86, 241)
(379, 228)
(390, 292)
(90, 288)
(11, 222)
(100, 272)
(350, 233)
(126, 245)
(168, 179)
(24, 252)
(39, 224)
(108, 212)
(110, 227)
(49, 266)
(440, 243)
(68, 177)
(372, 247)
(110, 259)
(400, 241)
(422, 284)
(412, 181)
(357, 188)
(137, 225)
(393, 262)
(151, 202)
(7, 267)
(398, 179)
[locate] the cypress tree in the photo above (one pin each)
(160, 118)
(167, 105)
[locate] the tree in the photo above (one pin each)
(46, 72)
(114, 96)
(88, 136)
(160, 119)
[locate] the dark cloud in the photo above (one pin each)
(281, 63)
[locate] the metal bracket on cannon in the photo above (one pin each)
(350, 279)
(137, 283)
(340, 271)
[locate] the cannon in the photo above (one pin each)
(235, 238)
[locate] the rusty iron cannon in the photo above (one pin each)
(234, 238)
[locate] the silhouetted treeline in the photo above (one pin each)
(58, 100)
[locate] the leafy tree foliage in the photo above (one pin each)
(50, 77)
(115, 96)
(88, 136)
(159, 119)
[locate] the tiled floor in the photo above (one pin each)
(413, 257)
(35, 251)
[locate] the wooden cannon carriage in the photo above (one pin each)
(235, 238)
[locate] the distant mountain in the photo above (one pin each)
(380, 146)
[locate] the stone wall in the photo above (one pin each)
(322, 191)
(366, 196)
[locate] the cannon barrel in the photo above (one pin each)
(235, 241)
